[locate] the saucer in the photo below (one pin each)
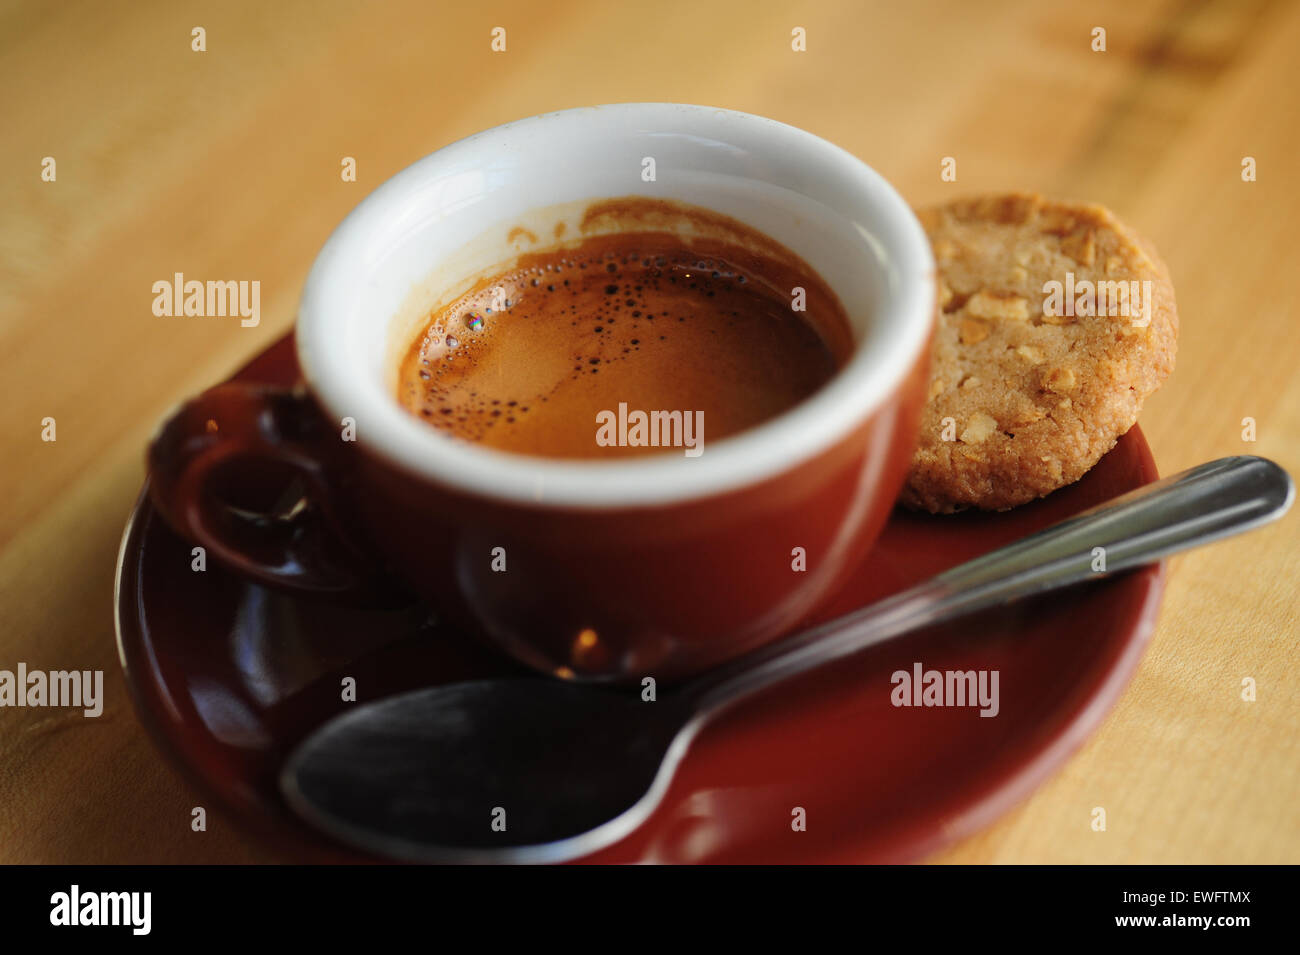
(228, 676)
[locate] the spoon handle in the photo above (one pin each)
(1191, 508)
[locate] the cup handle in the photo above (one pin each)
(216, 467)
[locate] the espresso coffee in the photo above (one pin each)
(628, 343)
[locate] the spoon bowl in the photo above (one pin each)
(522, 770)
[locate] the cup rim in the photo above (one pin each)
(780, 444)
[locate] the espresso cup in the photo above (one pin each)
(661, 565)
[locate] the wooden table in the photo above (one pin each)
(226, 163)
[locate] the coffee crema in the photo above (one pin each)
(627, 343)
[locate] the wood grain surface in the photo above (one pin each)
(226, 163)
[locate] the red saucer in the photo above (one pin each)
(229, 676)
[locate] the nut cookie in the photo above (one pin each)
(1055, 323)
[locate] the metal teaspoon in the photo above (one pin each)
(417, 776)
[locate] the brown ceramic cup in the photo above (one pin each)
(660, 565)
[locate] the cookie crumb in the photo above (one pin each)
(972, 331)
(1059, 379)
(978, 428)
(1004, 305)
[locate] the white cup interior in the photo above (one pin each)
(429, 231)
